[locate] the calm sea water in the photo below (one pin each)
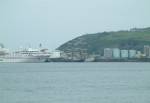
(75, 83)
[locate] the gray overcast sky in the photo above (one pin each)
(53, 22)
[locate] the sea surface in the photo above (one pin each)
(75, 83)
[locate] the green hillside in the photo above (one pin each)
(95, 43)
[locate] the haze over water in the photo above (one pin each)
(75, 83)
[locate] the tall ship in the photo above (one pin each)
(29, 55)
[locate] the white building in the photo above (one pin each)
(108, 53)
(139, 54)
(116, 53)
(124, 54)
(55, 54)
(132, 53)
(147, 50)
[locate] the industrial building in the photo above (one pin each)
(55, 54)
(147, 50)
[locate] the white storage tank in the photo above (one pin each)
(116, 53)
(132, 53)
(124, 54)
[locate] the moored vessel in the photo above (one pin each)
(24, 56)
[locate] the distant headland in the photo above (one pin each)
(120, 45)
(116, 46)
(95, 43)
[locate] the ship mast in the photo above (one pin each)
(40, 46)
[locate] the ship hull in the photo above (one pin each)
(23, 59)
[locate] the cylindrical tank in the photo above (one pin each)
(116, 53)
(132, 53)
(124, 54)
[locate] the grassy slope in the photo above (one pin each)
(95, 43)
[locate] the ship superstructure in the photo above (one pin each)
(29, 55)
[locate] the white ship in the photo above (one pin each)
(24, 56)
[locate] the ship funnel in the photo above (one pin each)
(1, 45)
(40, 45)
